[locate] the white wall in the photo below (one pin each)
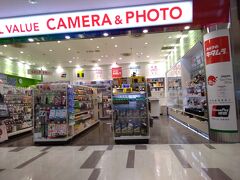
(105, 72)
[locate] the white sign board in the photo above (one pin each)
(96, 20)
(220, 85)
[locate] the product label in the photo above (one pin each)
(129, 17)
(220, 84)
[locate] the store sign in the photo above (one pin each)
(107, 19)
(38, 72)
(117, 72)
(220, 85)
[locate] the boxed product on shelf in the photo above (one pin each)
(61, 111)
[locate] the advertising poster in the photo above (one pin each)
(220, 84)
(117, 72)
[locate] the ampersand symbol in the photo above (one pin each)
(118, 20)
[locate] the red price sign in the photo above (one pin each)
(116, 72)
(217, 50)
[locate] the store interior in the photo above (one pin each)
(62, 90)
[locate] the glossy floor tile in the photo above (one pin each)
(118, 162)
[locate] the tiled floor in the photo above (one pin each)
(164, 131)
(121, 162)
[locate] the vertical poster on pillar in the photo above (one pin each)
(116, 72)
(220, 84)
(97, 73)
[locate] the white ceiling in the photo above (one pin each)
(10, 8)
(83, 51)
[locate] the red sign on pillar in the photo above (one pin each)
(117, 72)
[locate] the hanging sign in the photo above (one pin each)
(117, 72)
(220, 85)
(38, 72)
(107, 19)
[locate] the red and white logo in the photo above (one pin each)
(212, 80)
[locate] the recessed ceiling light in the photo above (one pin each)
(96, 65)
(112, 37)
(21, 52)
(148, 56)
(91, 39)
(38, 43)
(30, 39)
(70, 62)
(67, 37)
(58, 42)
(69, 49)
(120, 58)
(169, 37)
(99, 60)
(32, 2)
(115, 45)
(1, 53)
(50, 50)
(5, 45)
(187, 27)
(97, 47)
(102, 56)
(145, 31)
(137, 54)
(146, 43)
(73, 57)
(141, 53)
(105, 34)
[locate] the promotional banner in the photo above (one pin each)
(220, 84)
(117, 72)
(96, 20)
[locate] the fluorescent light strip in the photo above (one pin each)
(179, 122)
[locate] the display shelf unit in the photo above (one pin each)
(130, 110)
(62, 112)
(15, 109)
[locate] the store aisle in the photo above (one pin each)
(164, 131)
(118, 162)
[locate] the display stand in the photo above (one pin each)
(130, 112)
(15, 109)
(61, 111)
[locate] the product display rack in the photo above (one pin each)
(130, 114)
(15, 109)
(61, 112)
(157, 85)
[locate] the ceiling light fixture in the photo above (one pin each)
(70, 62)
(146, 43)
(115, 45)
(30, 39)
(120, 58)
(99, 60)
(97, 47)
(96, 65)
(148, 56)
(112, 37)
(38, 43)
(91, 39)
(105, 34)
(32, 2)
(21, 52)
(50, 50)
(67, 37)
(187, 27)
(5, 45)
(69, 49)
(58, 42)
(145, 31)
(77, 57)
(1, 53)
